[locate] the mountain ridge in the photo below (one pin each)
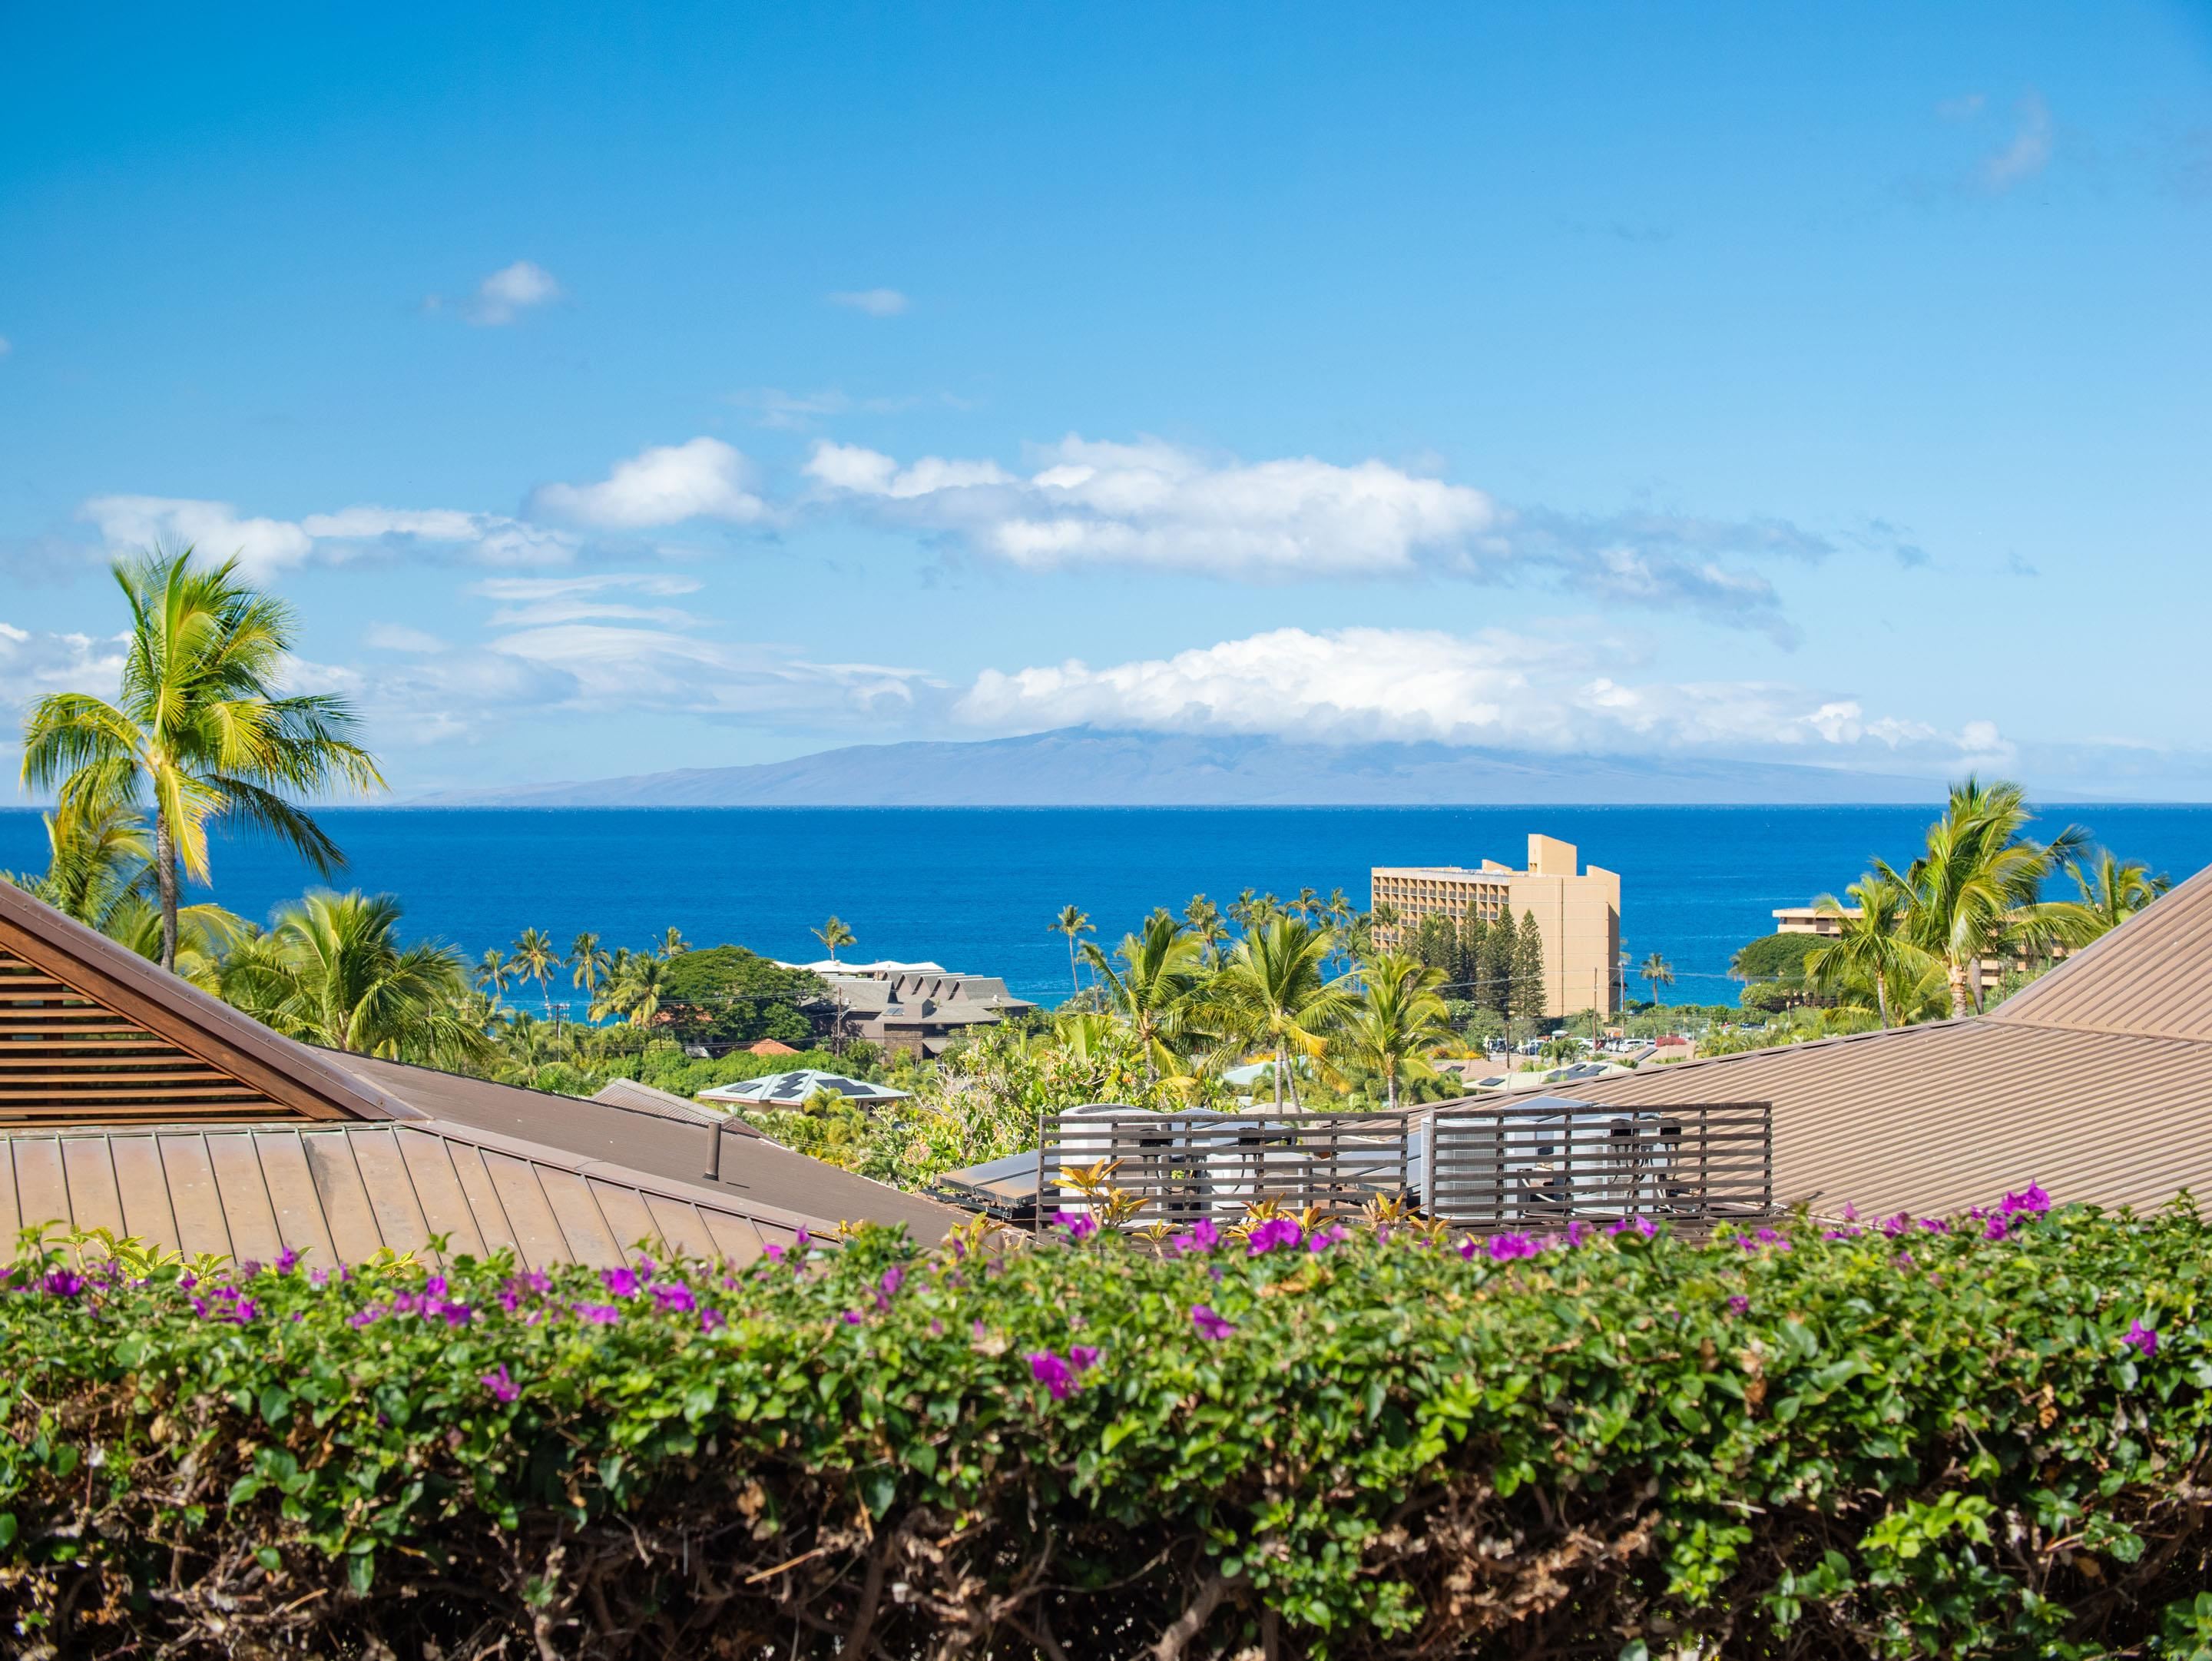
(1081, 767)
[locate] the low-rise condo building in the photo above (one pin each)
(1577, 915)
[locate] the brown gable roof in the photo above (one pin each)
(2152, 974)
(2095, 1081)
(92, 1033)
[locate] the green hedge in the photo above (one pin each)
(1387, 1442)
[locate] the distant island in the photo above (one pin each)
(1081, 767)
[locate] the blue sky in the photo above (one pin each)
(699, 386)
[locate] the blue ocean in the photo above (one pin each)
(976, 889)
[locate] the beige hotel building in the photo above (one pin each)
(1577, 915)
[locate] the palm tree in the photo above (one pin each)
(1871, 947)
(1273, 986)
(1656, 972)
(672, 943)
(2112, 890)
(200, 727)
(833, 935)
(588, 962)
(1071, 921)
(534, 959)
(332, 972)
(492, 972)
(1160, 970)
(1204, 918)
(634, 991)
(1398, 1019)
(1976, 892)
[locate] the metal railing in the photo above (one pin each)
(1474, 1164)
(1504, 1165)
(1182, 1167)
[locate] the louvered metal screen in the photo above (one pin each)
(1504, 1165)
(65, 1059)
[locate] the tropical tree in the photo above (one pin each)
(1205, 921)
(588, 963)
(1273, 985)
(634, 991)
(493, 972)
(2112, 890)
(1398, 1019)
(1656, 972)
(1072, 922)
(1977, 892)
(333, 972)
(672, 943)
(534, 959)
(200, 727)
(1871, 949)
(833, 935)
(1160, 968)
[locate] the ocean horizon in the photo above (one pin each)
(975, 888)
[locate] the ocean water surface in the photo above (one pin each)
(977, 888)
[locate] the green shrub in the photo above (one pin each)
(1938, 1443)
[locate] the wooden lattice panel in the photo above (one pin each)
(67, 1059)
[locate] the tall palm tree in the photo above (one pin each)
(672, 943)
(1159, 970)
(1977, 892)
(200, 727)
(635, 990)
(1204, 918)
(588, 963)
(1072, 922)
(1656, 972)
(1398, 1019)
(833, 935)
(534, 959)
(492, 972)
(2112, 890)
(332, 972)
(1872, 947)
(1274, 986)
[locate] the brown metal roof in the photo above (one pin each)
(341, 1192)
(754, 1168)
(2095, 1081)
(2152, 974)
(96, 1013)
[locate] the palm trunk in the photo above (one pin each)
(1882, 998)
(1075, 986)
(1278, 1078)
(1962, 1003)
(1390, 1088)
(165, 865)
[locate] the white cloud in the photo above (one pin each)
(536, 602)
(510, 291)
(876, 302)
(1964, 107)
(398, 637)
(2028, 153)
(263, 546)
(6, 345)
(1492, 688)
(704, 478)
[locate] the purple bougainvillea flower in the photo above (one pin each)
(1081, 1228)
(1996, 1229)
(1895, 1225)
(1738, 1305)
(434, 1286)
(598, 1315)
(2139, 1337)
(802, 1237)
(1084, 1357)
(62, 1283)
(712, 1320)
(501, 1384)
(619, 1282)
(1643, 1225)
(1935, 1225)
(774, 1252)
(1468, 1248)
(1054, 1374)
(1578, 1232)
(455, 1313)
(286, 1260)
(648, 1268)
(887, 1288)
(2031, 1202)
(1209, 1325)
(1504, 1248)
(674, 1298)
(361, 1317)
(853, 1317)
(1275, 1231)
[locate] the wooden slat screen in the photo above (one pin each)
(1185, 1165)
(65, 1059)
